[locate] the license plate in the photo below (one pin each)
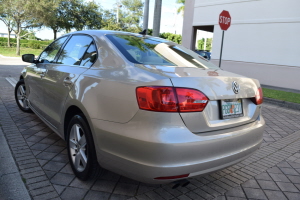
(231, 108)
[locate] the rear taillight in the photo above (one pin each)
(190, 100)
(170, 99)
(258, 99)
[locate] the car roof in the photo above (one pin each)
(99, 33)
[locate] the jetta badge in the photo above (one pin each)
(235, 87)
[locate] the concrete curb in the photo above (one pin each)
(11, 184)
(9, 57)
(281, 103)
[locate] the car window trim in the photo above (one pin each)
(71, 35)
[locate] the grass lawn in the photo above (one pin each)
(281, 95)
(11, 52)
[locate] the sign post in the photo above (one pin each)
(224, 22)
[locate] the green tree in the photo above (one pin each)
(181, 8)
(131, 15)
(8, 21)
(21, 13)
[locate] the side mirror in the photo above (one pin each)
(28, 58)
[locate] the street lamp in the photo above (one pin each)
(118, 6)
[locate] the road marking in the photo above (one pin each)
(12, 81)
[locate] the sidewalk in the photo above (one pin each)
(273, 172)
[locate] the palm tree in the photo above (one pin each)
(181, 8)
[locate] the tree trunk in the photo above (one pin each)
(8, 38)
(146, 16)
(157, 16)
(18, 44)
(55, 33)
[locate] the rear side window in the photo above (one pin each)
(154, 51)
(51, 51)
(74, 51)
(90, 56)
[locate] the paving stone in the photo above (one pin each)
(289, 171)
(287, 187)
(46, 155)
(54, 166)
(73, 193)
(82, 184)
(49, 174)
(38, 185)
(279, 177)
(67, 169)
(42, 190)
(275, 195)
(96, 195)
(62, 179)
(125, 189)
(294, 179)
(252, 193)
(263, 176)
(118, 197)
(59, 188)
(106, 186)
(236, 192)
(250, 184)
(274, 170)
(193, 195)
(267, 185)
(184, 197)
(153, 195)
(292, 196)
(42, 162)
(49, 195)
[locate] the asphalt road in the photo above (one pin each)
(11, 67)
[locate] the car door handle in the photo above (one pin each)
(67, 81)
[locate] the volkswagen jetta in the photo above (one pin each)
(141, 106)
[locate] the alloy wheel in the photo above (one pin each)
(78, 147)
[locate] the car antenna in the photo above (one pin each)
(143, 32)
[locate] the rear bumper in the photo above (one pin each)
(143, 149)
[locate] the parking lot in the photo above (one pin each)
(273, 172)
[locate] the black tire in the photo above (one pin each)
(78, 148)
(20, 96)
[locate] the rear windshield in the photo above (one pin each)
(155, 51)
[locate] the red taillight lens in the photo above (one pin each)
(170, 99)
(155, 98)
(190, 100)
(258, 99)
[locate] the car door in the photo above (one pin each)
(36, 73)
(60, 77)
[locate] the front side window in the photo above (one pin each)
(73, 52)
(50, 52)
(155, 51)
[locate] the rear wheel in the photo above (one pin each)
(21, 97)
(81, 149)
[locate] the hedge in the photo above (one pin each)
(33, 44)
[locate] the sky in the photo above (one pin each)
(170, 20)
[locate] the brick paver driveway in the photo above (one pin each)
(273, 172)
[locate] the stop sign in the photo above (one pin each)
(224, 20)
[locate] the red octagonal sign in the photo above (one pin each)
(224, 20)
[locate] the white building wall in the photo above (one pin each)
(262, 32)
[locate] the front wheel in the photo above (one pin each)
(81, 149)
(21, 97)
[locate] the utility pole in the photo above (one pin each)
(118, 6)
(157, 16)
(146, 16)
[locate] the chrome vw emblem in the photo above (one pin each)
(235, 87)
